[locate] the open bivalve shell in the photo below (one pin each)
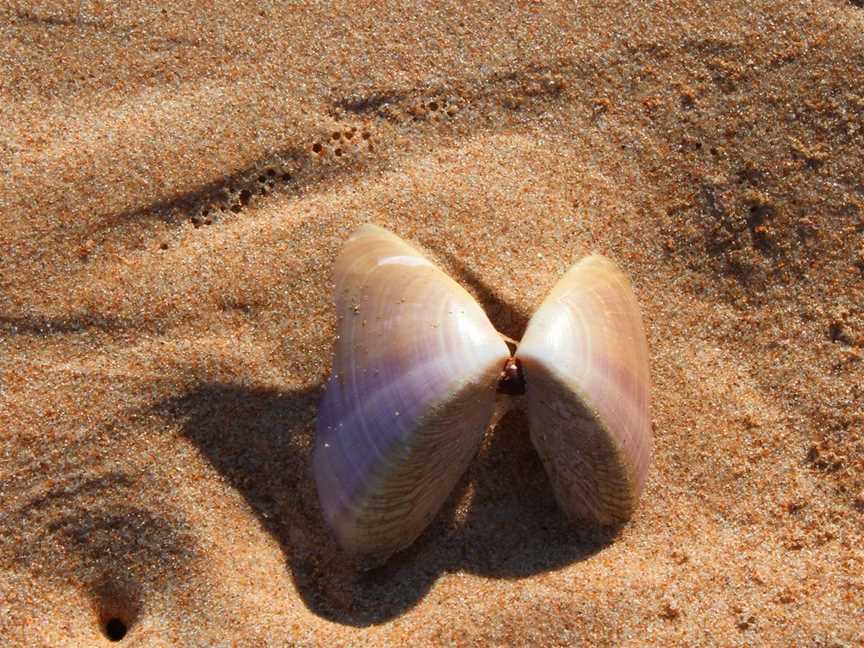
(416, 372)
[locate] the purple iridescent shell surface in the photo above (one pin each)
(410, 396)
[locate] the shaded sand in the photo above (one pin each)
(175, 182)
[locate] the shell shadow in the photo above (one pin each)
(500, 522)
(506, 317)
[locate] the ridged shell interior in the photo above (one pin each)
(585, 360)
(411, 393)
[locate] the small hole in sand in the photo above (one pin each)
(337, 135)
(317, 147)
(366, 135)
(262, 179)
(163, 245)
(338, 151)
(236, 208)
(245, 197)
(115, 629)
(433, 105)
(349, 134)
(271, 172)
(286, 177)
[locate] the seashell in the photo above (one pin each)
(412, 390)
(585, 361)
(419, 374)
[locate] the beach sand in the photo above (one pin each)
(176, 180)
